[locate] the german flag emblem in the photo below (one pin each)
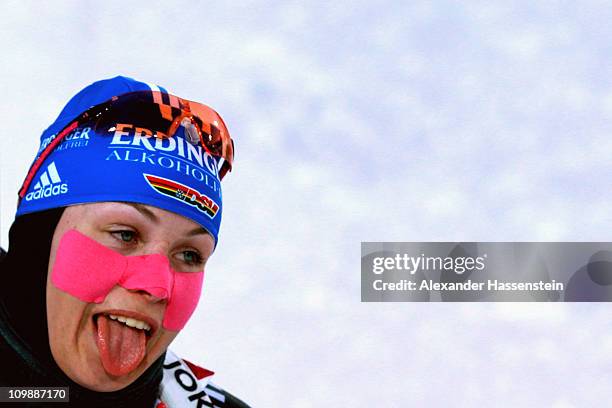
(183, 193)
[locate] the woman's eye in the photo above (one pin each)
(125, 235)
(191, 257)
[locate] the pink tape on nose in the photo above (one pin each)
(157, 276)
(88, 270)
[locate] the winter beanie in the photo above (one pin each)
(124, 164)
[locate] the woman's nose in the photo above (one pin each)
(149, 276)
(149, 297)
(160, 247)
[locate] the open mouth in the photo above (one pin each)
(128, 321)
(122, 340)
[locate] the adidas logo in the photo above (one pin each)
(48, 184)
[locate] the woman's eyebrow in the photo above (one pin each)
(198, 231)
(149, 214)
(144, 211)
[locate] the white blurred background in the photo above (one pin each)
(361, 121)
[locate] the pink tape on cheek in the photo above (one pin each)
(86, 269)
(184, 299)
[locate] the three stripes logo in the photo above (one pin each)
(183, 193)
(49, 184)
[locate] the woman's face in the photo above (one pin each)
(129, 229)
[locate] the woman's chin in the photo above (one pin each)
(83, 365)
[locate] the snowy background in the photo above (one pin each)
(361, 121)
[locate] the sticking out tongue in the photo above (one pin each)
(121, 347)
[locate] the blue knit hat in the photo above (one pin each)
(172, 174)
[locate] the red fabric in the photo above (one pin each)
(161, 405)
(198, 371)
